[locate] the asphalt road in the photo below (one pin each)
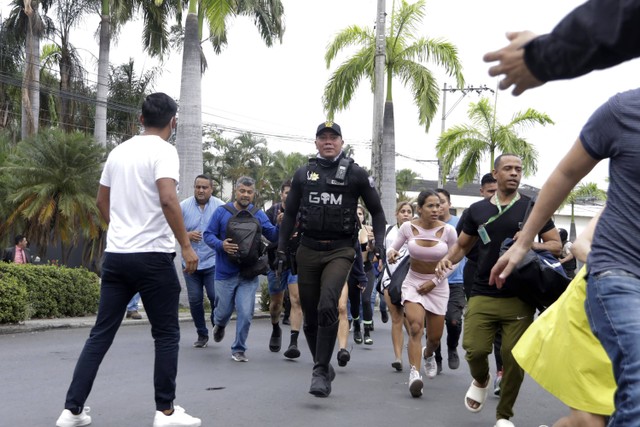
(269, 390)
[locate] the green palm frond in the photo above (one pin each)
(350, 36)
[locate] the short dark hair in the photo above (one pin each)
(158, 109)
(487, 178)
(203, 176)
(18, 239)
(287, 183)
(422, 197)
(498, 159)
(445, 192)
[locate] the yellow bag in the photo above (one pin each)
(560, 352)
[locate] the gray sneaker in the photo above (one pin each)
(239, 356)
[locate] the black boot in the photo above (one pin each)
(323, 372)
(367, 337)
(357, 334)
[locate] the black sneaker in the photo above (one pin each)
(384, 316)
(292, 352)
(201, 342)
(275, 342)
(454, 359)
(218, 333)
(343, 357)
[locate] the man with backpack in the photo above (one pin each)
(235, 232)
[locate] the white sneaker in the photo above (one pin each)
(430, 365)
(67, 419)
(179, 418)
(415, 382)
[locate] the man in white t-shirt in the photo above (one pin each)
(138, 199)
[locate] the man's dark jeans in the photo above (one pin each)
(153, 274)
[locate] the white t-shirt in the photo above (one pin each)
(137, 223)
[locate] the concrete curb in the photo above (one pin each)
(35, 325)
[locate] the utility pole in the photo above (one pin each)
(445, 114)
(377, 172)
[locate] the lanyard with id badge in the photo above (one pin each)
(482, 231)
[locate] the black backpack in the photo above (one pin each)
(245, 230)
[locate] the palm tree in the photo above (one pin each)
(51, 182)
(11, 60)
(406, 54)
(114, 14)
(585, 192)
(29, 26)
(484, 136)
(127, 92)
(267, 17)
(405, 178)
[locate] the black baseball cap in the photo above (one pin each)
(329, 125)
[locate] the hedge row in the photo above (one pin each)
(46, 291)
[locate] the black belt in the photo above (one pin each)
(325, 245)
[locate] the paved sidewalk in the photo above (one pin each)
(86, 322)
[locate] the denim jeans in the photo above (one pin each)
(239, 294)
(197, 283)
(133, 303)
(613, 309)
(153, 274)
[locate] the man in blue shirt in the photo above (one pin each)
(232, 290)
(196, 212)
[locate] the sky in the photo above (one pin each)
(278, 90)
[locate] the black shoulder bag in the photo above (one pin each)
(539, 278)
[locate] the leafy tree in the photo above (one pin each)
(268, 17)
(406, 54)
(11, 60)
(51, 181)
(405, 178)
(484, 136)
(585, 192)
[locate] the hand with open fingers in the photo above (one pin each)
(190, 259)
(507, 262)
(426, 287)
(511, 63)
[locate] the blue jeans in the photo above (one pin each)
(239, 294)
(197, 283)
(133, 303)
(153, 274)
(613, 301)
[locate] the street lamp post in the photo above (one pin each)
(445, 113)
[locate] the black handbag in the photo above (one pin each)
(539, 278)
(396, 279)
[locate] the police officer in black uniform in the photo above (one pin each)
(326, 192)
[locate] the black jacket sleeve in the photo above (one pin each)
(372, 202)
(291, 212)
(594, 36)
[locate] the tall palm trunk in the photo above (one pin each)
(189, 136)
(388, 180)
(65, 87)
(100, 129)
(31, 79)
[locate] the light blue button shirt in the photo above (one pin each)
(457, 276)
(197, 219)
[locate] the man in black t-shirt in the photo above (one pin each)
(490, 222)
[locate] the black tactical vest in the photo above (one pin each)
(328, 203)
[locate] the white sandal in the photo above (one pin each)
(478, 394)
(503, 423)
